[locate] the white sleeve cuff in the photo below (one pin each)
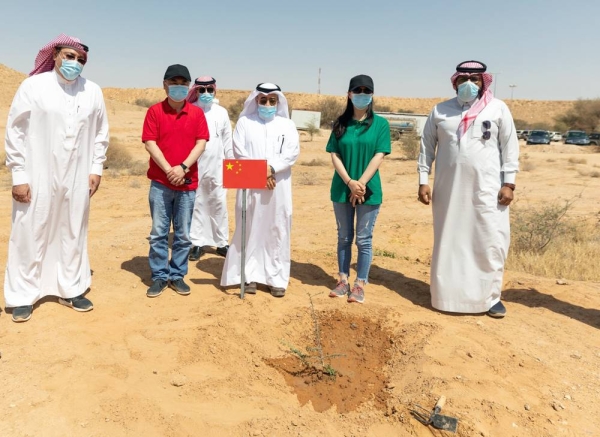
(19, 177)
(423, 178)
(97, 169)
(510, 177)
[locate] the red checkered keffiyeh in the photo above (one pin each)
(44, 60)
(486, 96)
(204, 81)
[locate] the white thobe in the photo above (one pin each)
(269, 212)
(210, 221)
(471, 229)
(56, 136)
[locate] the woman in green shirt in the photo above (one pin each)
(358, 143)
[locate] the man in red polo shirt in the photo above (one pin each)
(175, 134)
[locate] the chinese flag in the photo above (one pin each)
(245, 173)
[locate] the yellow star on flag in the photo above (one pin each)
(229, 166)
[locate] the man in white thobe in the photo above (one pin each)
(265, 131)
(56, 141)
(210, 221)
(473, 140)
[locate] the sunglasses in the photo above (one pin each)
(471, 77)
(361, 90)
(207, 89)
(487, 125)
(72, 57)
(271, 100)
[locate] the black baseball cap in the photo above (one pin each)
(361, 80)
(177, 70)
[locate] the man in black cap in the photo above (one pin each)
(175, 133)
(473, 140)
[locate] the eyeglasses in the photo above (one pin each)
(487, 125)
(72, 57)
(208, 89)
(271, 100)
(361, 90)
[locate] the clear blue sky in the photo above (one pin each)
(548, 49)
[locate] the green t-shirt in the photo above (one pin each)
(356, 148)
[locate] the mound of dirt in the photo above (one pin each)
(344, 365)
(9, 82)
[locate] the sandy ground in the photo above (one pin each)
(205, 365)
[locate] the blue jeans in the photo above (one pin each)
(170, 206)
(365, 222)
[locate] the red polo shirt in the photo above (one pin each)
(176, 135)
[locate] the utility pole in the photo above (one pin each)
(319, 82)
(512, 89)
(495, 81)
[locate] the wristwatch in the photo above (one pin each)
(511, 186)
(184, 167)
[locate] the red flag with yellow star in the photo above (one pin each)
(245, 173)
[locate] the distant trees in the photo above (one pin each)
(585, 115)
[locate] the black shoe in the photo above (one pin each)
(79, 303)
(22, 314)
(180, 287)
(222, 251)
(250, 288)
(156, 288)
(277, 291)
(497, 311)
(195, 253)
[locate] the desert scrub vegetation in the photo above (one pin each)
(385, 253)
(409, 145)
(547, 241)
(120, 161)
(526, 166)
(312, 129)
(584, 115)
(315, 163)
(235, 109)
(573, 160)
(306, 179)
(330, 109)
(146, 103)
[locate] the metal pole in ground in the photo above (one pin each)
(243, 273)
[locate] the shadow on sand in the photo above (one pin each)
(534, 299)
(414, 290)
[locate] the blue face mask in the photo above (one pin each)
(361, 101)
(70, 69)
(178, 93)
(467, 91)
(206, 98)
(267, 112)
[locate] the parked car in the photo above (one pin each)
(557, 136)
(523, 135)
(577, 137)
(539, 137)
(595, 138)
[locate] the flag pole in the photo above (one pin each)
(243, 273)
